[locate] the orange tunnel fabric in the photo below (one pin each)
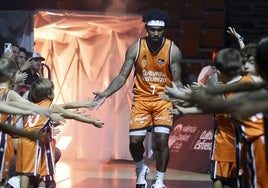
(85, 51)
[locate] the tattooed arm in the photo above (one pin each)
(120, 79)
(176, 58)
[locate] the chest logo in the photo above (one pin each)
(143, 62)
(161, 61)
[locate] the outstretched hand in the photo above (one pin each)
(98, 100)
(233, 32)
(172, 91)
(197, 85)
(168, 98)
(57, 117)
(83, 117)
(98, 123)
(180, 110)
(178, 93)
(36, 135)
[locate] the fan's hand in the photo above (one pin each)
(233, 32)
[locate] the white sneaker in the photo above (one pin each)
(14, 181)
(158, 184)
(141, 177)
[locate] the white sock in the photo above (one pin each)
(139, 165)
(160, 176)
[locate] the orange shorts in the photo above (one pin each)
(7, 156)
(222, 170)
(146, 114)
(257, 163)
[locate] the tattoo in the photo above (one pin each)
(176, 65)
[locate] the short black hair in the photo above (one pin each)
(249, 50)
(228, 61)
(262, 57)
(155, 14)
(15, 44)
(40, 90)
(22, 49)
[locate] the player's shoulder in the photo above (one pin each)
(175, 50)
(135, 44)
(173, 45)
(133, 48)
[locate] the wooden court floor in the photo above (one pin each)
(120, 174)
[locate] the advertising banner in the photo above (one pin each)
(190, 143)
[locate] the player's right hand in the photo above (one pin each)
(98, 100)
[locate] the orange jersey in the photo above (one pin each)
(31, 155)
(224, 136)
(224, 139)
(252, 131)
(6, 118)
(37, 121)
(3, 96)
(6, 143)
(152, 71)
(252, 127)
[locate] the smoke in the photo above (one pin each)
(116, 6)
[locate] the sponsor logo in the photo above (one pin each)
(182, 135)
(202, 143)
(160, 118)
(143, 62)
(154, 76)
(141, 119)
(189, 129)
(161, 61)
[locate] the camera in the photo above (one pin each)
(8, 47)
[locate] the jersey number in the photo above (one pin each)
(153, 88)
(32, 123)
